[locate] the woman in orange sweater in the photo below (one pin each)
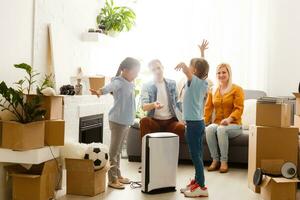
(227, 103)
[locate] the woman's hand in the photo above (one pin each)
(203, 47)
(95, 92)
(226, 121)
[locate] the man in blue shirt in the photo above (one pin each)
(160, 99)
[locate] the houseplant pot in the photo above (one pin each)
(19, 136)
(26, 130)
(52, 104)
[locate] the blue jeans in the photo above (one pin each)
(194, 137)
(217, 137)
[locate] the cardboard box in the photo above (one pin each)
(37, 183)
(97, 82)
(274, 115)
(279, 188)
(18, 136)
(269, 148)
(54, 132)
(82, 179)
(297, 121)
(53, 106)
(297, 110)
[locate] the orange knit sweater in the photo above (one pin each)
(230, 104)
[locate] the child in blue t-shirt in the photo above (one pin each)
(121, 115)
(193, 103)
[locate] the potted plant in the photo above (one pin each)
(114, 19)
(26, 130)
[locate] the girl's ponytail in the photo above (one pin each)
(128, 63)
(119, 70)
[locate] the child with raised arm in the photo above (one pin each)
(121, 115)
(193, 103)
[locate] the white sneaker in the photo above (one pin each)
(196, 191)
(188, 187)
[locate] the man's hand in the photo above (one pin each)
(157, 105)
(95, 92)
(226, 121)
(203, 47)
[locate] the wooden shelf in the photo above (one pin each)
(94, 37)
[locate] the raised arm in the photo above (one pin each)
(111, 87)
(184, 68)
(203, 47)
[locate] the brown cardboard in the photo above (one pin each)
(270, 144)
(278, 188)
(97, 82)
(274, 115)
(297, 121)
(55, 132)
(18, 136)
(53, 106)
(82, 179)
(297, 110)
(37, 183)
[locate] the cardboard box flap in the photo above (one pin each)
(297, 95)
(79, 165)
(266, 180)
(285, 180)
(272, 166)
(15, 169)
(25, 175)
(50, 167)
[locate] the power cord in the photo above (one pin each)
(58, 169)
(135, 184)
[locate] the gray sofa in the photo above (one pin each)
(238, 146)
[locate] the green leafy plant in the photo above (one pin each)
(15, 102)
(115, 18)
(30, 78)
(47, 82)
(138, 87)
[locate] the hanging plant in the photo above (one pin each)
(115, 18)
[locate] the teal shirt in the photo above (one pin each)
(124, 108)
(193, 102)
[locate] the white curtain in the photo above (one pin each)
(171, 29)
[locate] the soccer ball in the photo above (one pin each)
(98, 153)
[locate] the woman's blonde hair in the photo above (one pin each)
(228, 68)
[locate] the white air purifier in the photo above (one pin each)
(159, 162)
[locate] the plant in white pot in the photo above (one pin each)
(26, 130)
(114, 19)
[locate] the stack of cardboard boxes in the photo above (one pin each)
(297, 123)
(297, 111)
(272, 142)
(38, 182)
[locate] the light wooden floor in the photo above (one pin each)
(230, 186)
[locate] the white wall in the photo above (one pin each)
(76, 16)
(284, 47)
(16, 22)
(69, 19)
